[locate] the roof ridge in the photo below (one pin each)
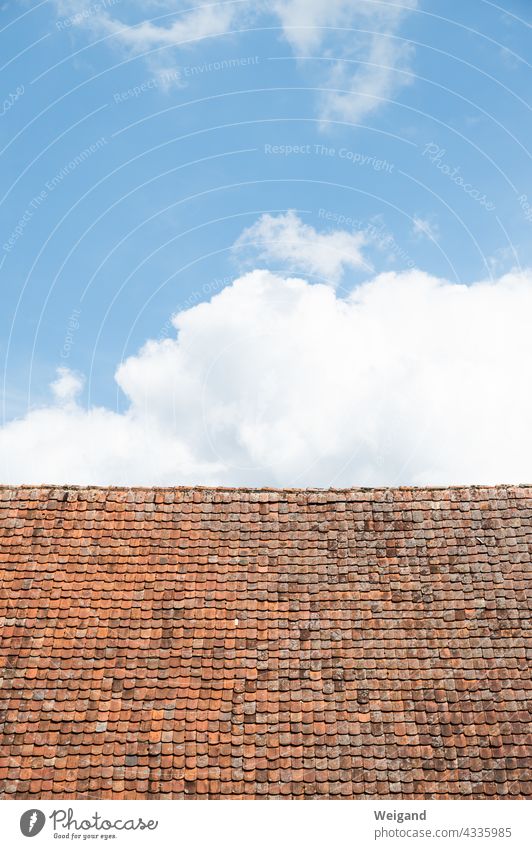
(221, 488)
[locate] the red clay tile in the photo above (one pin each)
(215, 643)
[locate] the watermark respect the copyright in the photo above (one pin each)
(352, 156)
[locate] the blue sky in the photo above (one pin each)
(151, 154)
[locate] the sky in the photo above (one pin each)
(269, 243)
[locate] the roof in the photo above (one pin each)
(218, 643)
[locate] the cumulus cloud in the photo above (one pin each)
(285, 239)
(276, 381)
(67, 386)
(359, 38)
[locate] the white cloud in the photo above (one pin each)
(285, 239)
(305, 21)
(368, 60)
(360, 38)
(206, 21)
(504, 259)
(67, 386)
(408, 380)
(376, 80)
(145, 26)
(425, 227)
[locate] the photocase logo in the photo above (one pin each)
(32, 822)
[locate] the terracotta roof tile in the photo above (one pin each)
(215, 643)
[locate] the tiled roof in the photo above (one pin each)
(215, 643)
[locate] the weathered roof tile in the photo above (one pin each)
(215, 643)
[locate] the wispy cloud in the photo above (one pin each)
(144, 26)
(359, 39)
(425, 226)
(377, 78)
(194, 25)
(295, 246)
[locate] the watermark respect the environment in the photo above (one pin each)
(178, 75)
(219, 65)
(50, 186)
(162, 80)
